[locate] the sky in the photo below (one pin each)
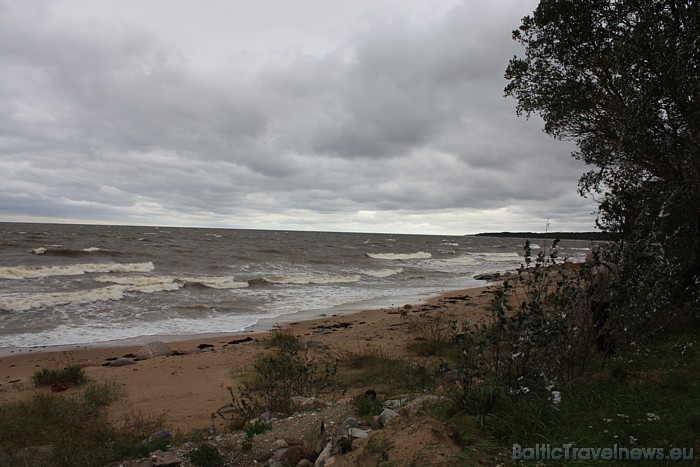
(344, 115)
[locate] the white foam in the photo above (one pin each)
(400, 256)
(226, 282)
(497, 257)
(165, 283)
(383, 272)
(91, 249)
(34, 272)
(22, 302)
(39, 251)
(316, 279)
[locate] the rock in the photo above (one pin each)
(375, 423)
(161, 434)
(241, 341)
(337, 445)
(347, 424)
(153, 349)
(315, 436)
(272, 462)
(164, 459)
(295, 454)
(488, 277)
(417, 404)
(268, 416)
(279, 444)
(387, 416)
(122, 362)
(396, 403)
(357, 433)
(305, 463)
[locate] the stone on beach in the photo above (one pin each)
(153, 349)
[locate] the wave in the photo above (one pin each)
(70, 251)
(400, 256)
(496, 257)
(35, 272)
(379, 273)
(122, 286)
(316, 279)
(22, 302)
(165, 283)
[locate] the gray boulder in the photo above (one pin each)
(153, 349)
(388, 416)
(315, 436)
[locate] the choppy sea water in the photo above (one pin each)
(86, 284)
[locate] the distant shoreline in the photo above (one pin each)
(592, 236)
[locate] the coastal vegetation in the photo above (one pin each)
(590, 355)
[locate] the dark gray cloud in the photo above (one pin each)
(391, 120)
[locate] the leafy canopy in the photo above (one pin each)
(622, 79)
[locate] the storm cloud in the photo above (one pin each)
(361, 116)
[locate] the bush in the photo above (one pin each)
(291, 371)
(69, 375)
(205, 456)
(76, 427)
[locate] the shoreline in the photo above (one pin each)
(263, 325)
(187, 387)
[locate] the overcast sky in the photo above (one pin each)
(344, 115)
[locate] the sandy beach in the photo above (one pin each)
(188, 387)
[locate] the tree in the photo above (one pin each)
(621, 78)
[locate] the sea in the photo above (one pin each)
(65, 284)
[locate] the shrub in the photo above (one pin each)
(205, 456)
(77, 427)
(291, 371)
(69, 375)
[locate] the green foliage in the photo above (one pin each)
(621, 79)
(69, 375)
(532, 346)
(431, 334)
(291, 371)
(367, 406)
(256, 428)
(76, 427)
(205, 456)
(371, 367)
(284, 338)
(102, 394)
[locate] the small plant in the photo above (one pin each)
(205, 456)
(431, 334)
(69, 375)
(102, 394)
(292, 371)
(256, 428)
(367, 405)
(284, 338)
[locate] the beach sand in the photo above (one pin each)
(189, 387)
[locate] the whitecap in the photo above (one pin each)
(35, 272)
(400, 256)
(379, 273)
(22, 302)
(315, 279)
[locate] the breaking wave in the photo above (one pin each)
(400, 256)
(316, 279)
(379, 273)
(35, 272)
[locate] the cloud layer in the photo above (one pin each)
(381, 116)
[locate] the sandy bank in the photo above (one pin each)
(187, 388)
